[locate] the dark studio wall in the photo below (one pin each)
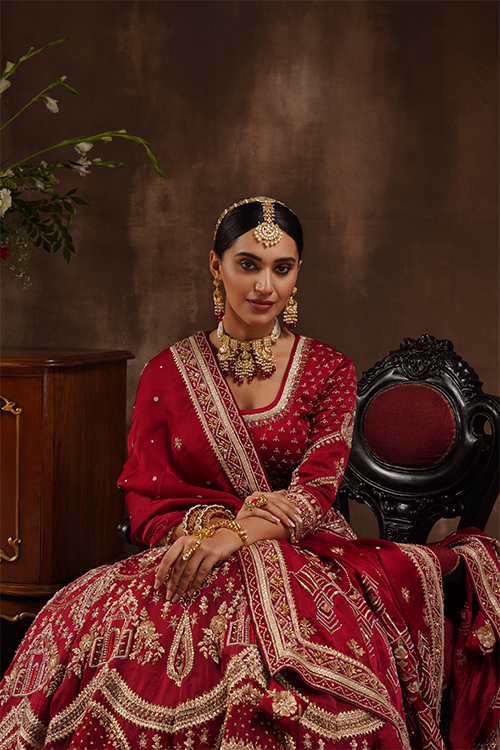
(377, 122)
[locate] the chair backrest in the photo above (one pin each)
(425, 442)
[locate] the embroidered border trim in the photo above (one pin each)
(484, 576)
(127, 704)
(339, 726)
(264, 569)
(219, 416)
(427, 566)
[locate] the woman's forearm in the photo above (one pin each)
(258, 529)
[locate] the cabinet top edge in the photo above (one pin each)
(45, 357)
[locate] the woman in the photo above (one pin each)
(254, 618)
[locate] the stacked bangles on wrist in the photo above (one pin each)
(199, 517)
(200, 535)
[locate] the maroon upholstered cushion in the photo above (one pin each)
(410, 425)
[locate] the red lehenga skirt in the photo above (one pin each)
(109, 663)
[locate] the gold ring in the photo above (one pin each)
(188, 555)
(256, 502)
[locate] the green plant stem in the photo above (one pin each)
(35, 99)
(95, 139)
(31, 53)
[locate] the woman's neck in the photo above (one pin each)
(238, 329)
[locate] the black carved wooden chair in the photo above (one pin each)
(425, 443)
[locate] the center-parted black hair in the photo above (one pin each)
(243, 218)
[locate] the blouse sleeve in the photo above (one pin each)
(315, 481)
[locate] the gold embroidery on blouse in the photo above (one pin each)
(289, 387)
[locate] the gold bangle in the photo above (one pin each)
(204, 519)
(188, 522)
(232, 526)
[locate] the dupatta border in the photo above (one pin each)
(284, 646)
(427, 566)
(219, 416)
(483, 575)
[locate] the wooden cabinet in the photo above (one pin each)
(62, 447)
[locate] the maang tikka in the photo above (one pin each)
(268, 232)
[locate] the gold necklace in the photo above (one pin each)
(243, 359)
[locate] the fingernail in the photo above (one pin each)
(276, 520)
(291, 523)
(157, 584)
(169, 595)
(176, 598)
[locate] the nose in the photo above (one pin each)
(264, 285)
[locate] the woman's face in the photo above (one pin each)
(257, 280)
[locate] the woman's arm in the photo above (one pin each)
(273, 522)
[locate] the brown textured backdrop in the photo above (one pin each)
(376, 121)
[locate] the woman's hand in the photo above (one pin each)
(211, 551)
(278, 509)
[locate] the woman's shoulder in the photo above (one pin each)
(326, 354)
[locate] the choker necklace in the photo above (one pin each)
(243, 359)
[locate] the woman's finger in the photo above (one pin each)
(166, 563)
(275, 515)
(275, 500)
(172, 559)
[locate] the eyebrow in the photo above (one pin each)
(257, 257)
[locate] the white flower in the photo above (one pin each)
(43, 163)
(83, 147)
(51, 105)
(5, 200)
(40, 186)
(82, 166)
(7, 173)
(4, 85)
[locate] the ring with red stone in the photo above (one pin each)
(256, 502)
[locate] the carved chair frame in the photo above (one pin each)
(407, 501)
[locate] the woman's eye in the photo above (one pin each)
(282, 270)
(247, 265)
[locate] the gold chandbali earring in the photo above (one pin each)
(291, 310)
(243, 359)
(218, 300)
